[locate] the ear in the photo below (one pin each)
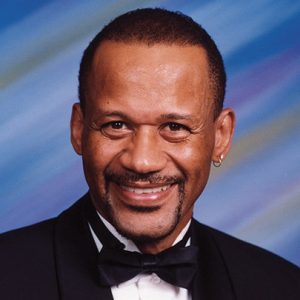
(224, 128)
(77, 125)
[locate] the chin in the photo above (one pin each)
(143, 223)
(144, 226)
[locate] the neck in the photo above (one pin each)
(155, 247)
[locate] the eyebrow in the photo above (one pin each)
(170, 116)
(175, 116)
(114, 113)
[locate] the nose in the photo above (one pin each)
(144, 153)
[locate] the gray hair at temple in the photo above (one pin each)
(157, 26)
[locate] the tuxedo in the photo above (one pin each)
(57, 259)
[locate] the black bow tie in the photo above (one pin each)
(176, 265)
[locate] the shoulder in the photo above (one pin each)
(30, 233)
(28, 257)
(252, 266)
(39, 234)
(27, 262)
(31, 240)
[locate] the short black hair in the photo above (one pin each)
(157, 26)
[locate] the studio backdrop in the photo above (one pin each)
(255, 195)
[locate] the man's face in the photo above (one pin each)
(147, 136)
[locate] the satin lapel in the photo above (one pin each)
(212, 281)
(76, 256)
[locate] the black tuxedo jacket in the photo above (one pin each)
(56, 259)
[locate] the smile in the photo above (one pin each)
(144, 194)
(145, 190)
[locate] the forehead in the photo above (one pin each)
(110, 55)
(165, 73)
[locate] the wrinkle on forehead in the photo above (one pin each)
(158, 73)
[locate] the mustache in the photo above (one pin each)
(127, 177)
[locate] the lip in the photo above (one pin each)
(144, 195)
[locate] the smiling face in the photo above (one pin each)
(147, 137)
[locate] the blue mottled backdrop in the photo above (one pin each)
(255, 195)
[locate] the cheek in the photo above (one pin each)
(190, 155)
(93, 155)
(192, 158)
(97, 154)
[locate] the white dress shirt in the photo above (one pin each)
(144, 286)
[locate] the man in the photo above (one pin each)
(149, 124)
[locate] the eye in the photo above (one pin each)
(176, 126)
(115, 125)
(174, 132)
(115, 129)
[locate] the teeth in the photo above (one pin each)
(145, 191)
